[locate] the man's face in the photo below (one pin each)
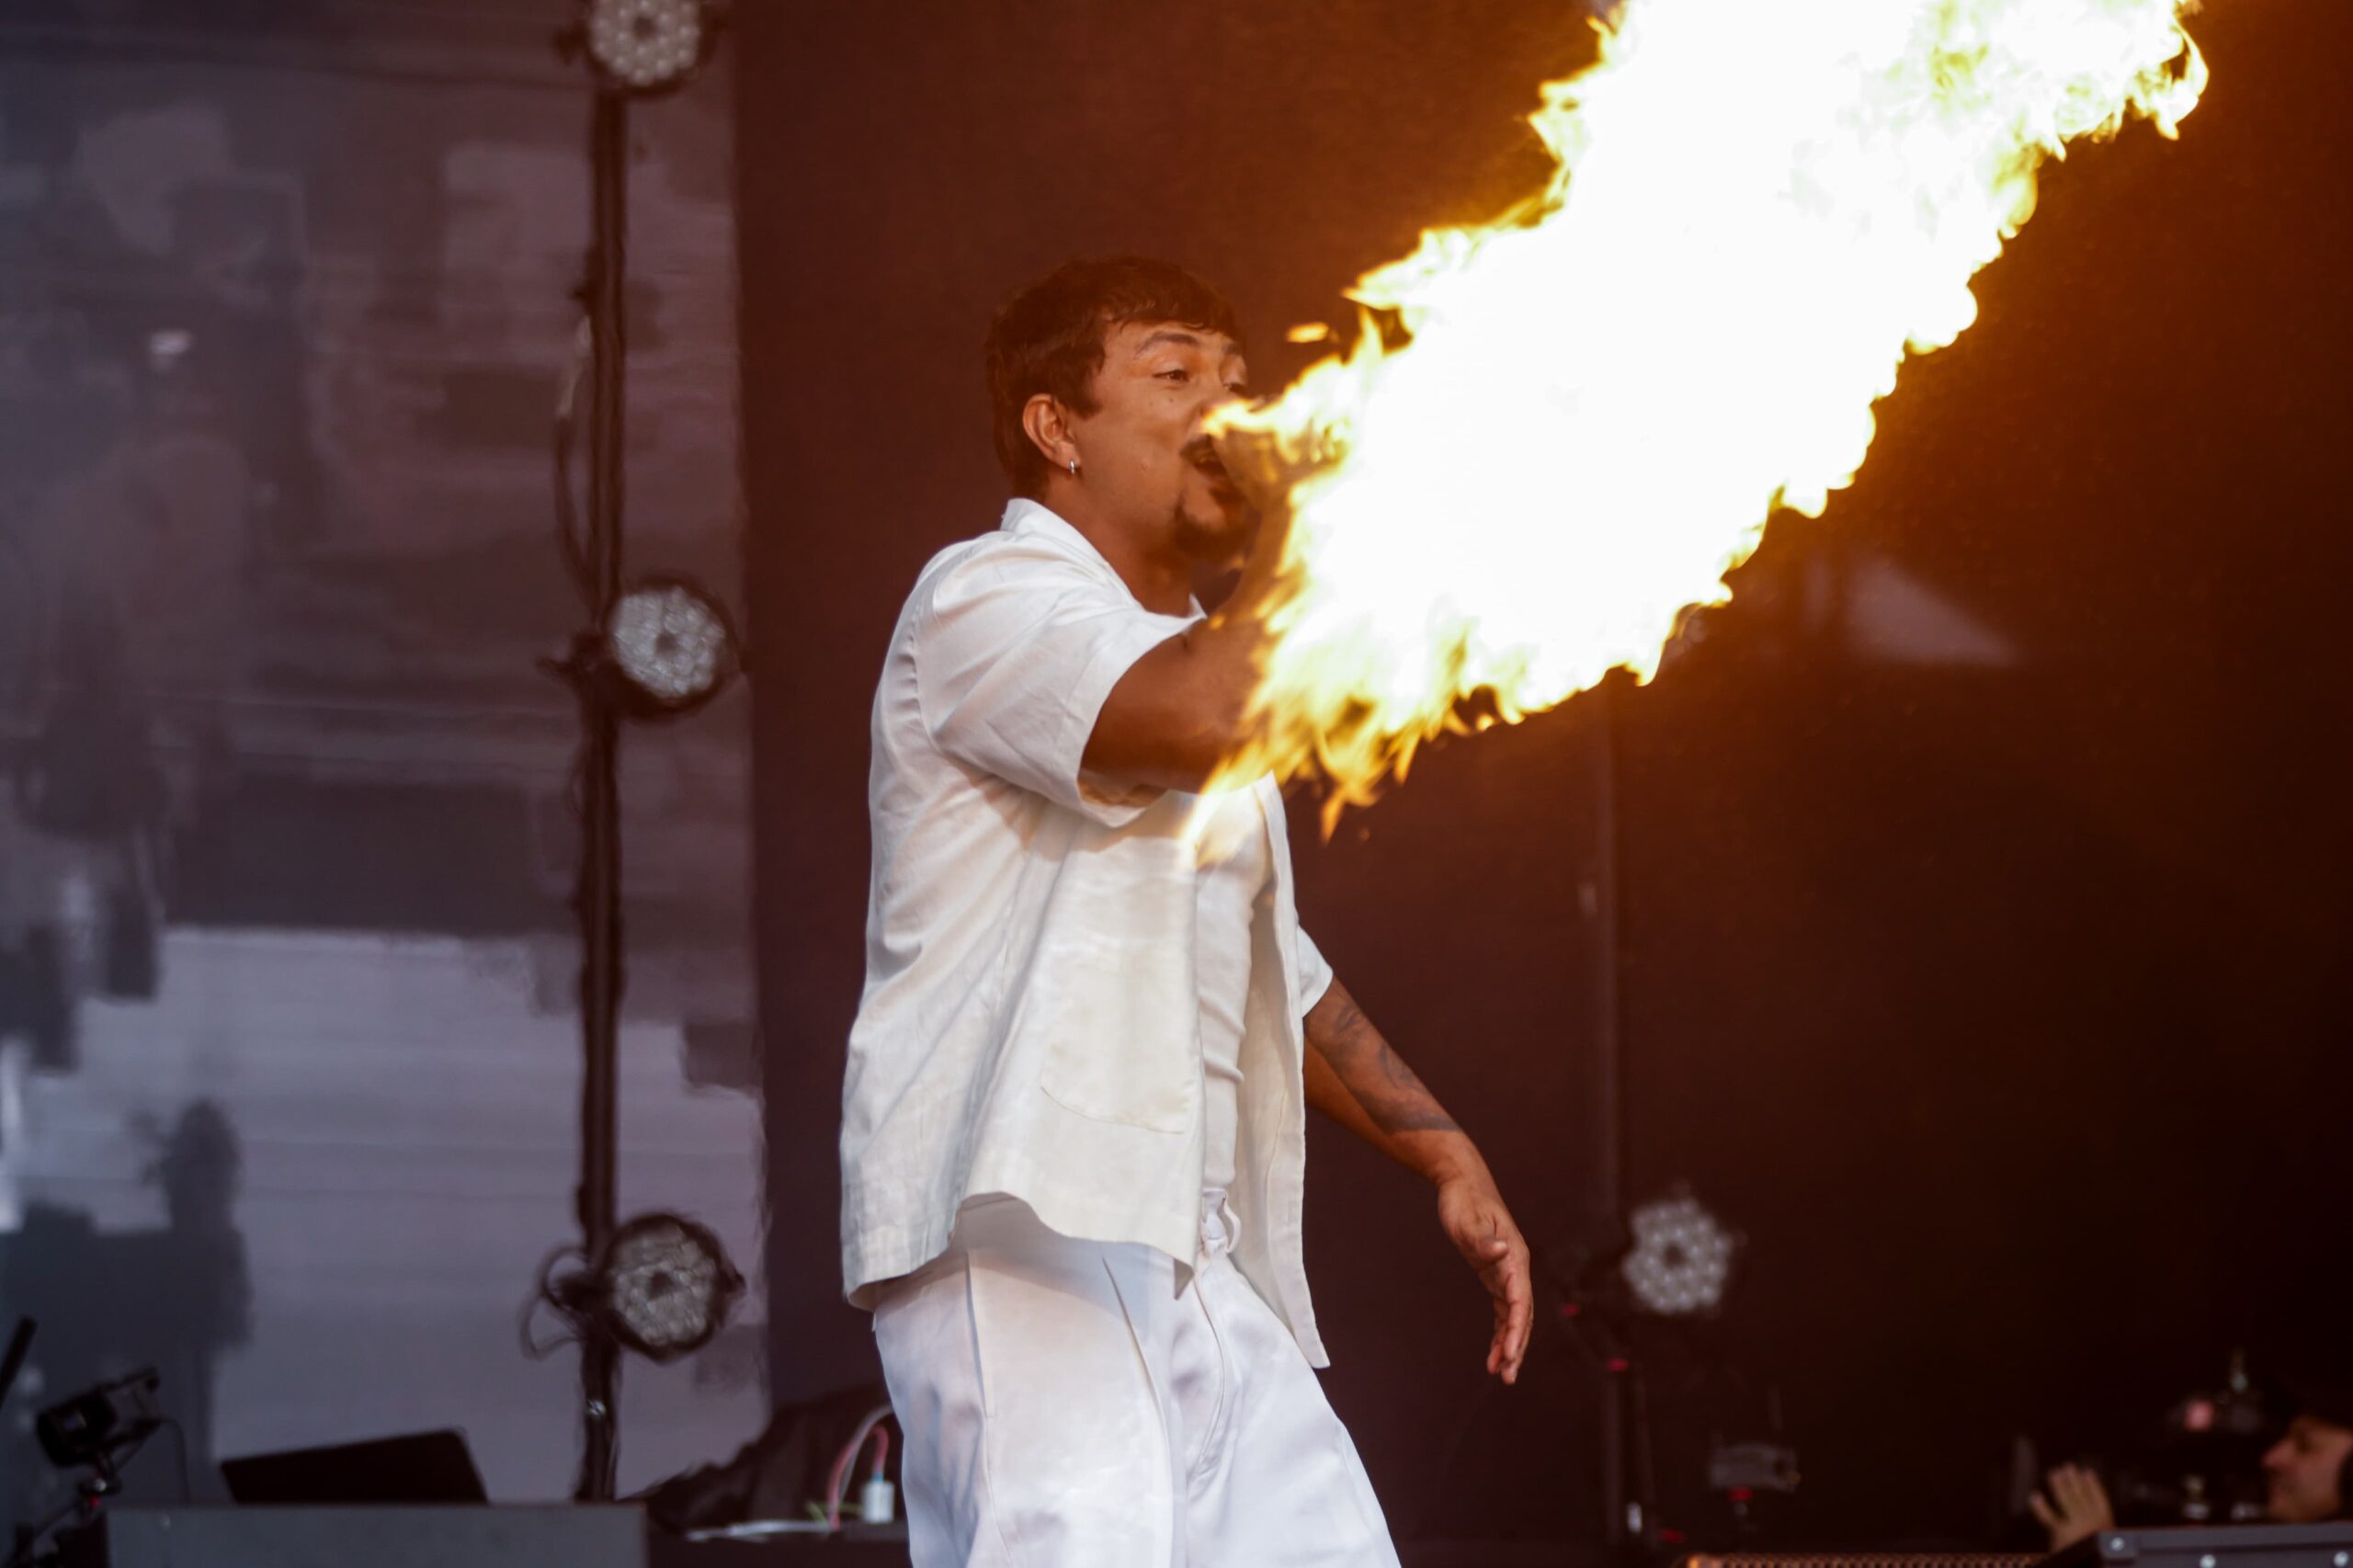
(1142, 449)
(2303, 1468)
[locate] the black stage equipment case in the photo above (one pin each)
(2196, 1546)
(2216, 1545)
(404, 1536)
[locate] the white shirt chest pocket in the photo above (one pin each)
(1137, 1082)
(1109, 1003)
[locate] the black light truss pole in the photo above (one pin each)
(1625, 1463)
(598, 896)
(1609, 1124)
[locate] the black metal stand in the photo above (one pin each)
(598, 897)
(81, 1511)
(1596, 1327)
(1627, 1522)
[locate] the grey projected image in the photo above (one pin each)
(289, 1044)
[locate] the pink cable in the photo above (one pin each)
(872, 1424)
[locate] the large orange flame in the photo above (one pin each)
(1604, 395)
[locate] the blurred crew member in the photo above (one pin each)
(2305, 1471)
(2305, 1476)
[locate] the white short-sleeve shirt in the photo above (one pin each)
(1030, 1023)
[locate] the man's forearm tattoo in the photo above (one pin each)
(1377, 1077)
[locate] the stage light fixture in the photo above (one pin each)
(654, 650)
(646, 46)
(672, 645)
(664, 1286)
(1681, 1259)
(103, 1426)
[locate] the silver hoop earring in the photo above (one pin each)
(1073, 468)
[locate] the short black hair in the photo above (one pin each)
(1049, 338)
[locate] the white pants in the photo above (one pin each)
(1063, 1404)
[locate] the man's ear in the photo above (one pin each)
(1048, 425)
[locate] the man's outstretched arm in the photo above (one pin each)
(1354, 1077)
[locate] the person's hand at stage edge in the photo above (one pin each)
(1354, 1077)
(2073, 1508)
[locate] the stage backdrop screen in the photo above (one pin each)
(289, 1054)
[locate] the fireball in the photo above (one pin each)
(1559, 431)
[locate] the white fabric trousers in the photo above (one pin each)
(1064, 1404)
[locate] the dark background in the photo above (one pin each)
(2003, 1010)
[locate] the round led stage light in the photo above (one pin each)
(646, 46)
(666, 1287)
(671, 643)
(1681, 1260)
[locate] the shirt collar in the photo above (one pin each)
(1023, 515)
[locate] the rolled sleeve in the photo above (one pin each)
(1015, 653)
(1314, 973)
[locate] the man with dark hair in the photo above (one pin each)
(2306, 1472)
(1072, 1138)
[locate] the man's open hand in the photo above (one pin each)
(2075, 1507)
(1474, 1214)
